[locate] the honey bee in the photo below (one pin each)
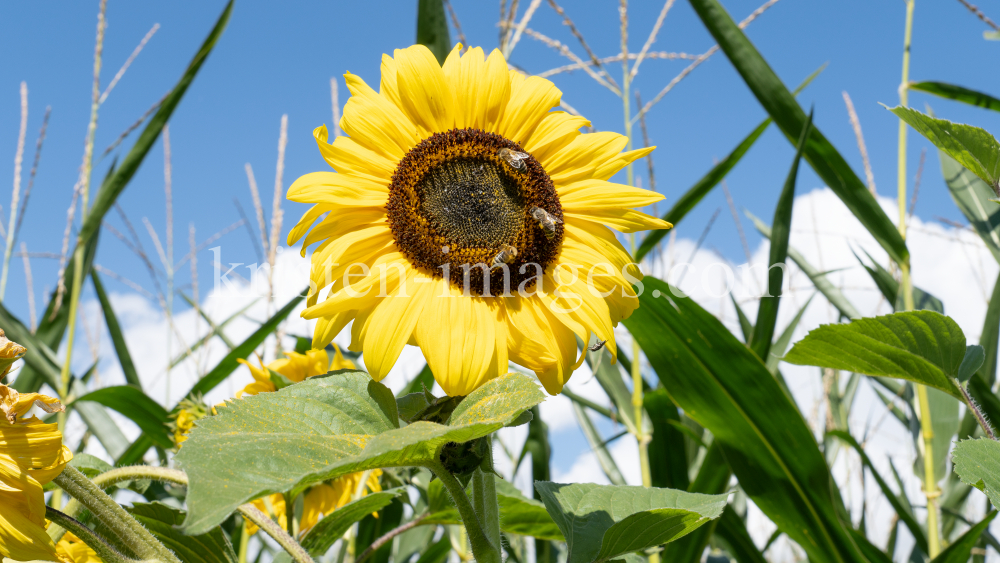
(546, 221)
(514, 159)
(597, 345)
(506, 255)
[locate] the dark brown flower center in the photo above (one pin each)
(461, 205)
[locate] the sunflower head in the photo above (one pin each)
(469, 219)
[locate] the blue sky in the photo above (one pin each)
(278, 58)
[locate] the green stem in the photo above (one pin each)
(253, 514)
(105, 551)
(244, 536)
(976, 412)
(483, 550)
(130, 532)
(486, 504)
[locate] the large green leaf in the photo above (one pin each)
(722, 385)
(432, 28)
(781, 229)
(920, 346)
(780, 104)
(712, 479)
(137, 407)
(601, 522)
(977, 463)
(733, 531)
(702, 187)
(164, 521)
(957, 93)
(972, 196)
(668, 464)
(230, 362)
(333, 526)
(115, 329)
(902, 510)
(322, 428)
(973, 147)
(961, 549)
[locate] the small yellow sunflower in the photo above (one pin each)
(467, 218)
(31, 455)
(296, 367)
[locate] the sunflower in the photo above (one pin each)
(31, 455)
(295, 367)
(467, 218)
(71, 549)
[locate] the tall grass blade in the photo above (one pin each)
(958, 93)
(432, 28)
(115, 329)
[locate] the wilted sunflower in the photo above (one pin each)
(31, 455)
(467, 218)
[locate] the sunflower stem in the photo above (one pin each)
(105, 551)
(277, 533)
(129, 531)
(483, 549)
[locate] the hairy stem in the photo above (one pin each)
(253, 514)
(105, 551)
(483, 550)
(111, 514)
(485, 503)
(389, 536)
(978, 413)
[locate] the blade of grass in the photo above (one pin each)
(604, 457)
(780, 104)
(957, 93)
(781, 228)
(115, 329)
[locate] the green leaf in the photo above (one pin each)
(972, 196)
(781, 228)
(780, 104)
(668, 464)
(424, 379)
(609, 376)
(432, 28)
(702, 187)
(437, 552)
(961, 549)
(321, 537)
(321, 428)
(374, 526)
(973, 360)
(957, 93)
(781, 344)
(973, 147)
(717, 381)
(601, 522)
(137, 407)
(221, 371)
(902, 510)
(920, 346)
(518, 514)
(164, 522)
(977, 463)
(830, 291)
(115, 329)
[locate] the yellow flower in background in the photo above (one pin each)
(31, 455)
(296, 367)
(323, 499)
(320, 501)
(191, 411)
(466, 218)
(10, 352)
(72, 549)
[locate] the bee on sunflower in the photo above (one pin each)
(467, 218)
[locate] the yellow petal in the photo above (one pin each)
(390, 325)
(423, 91)
(619, 161)
(555, 131)
(526, 108)
(599, 194)
(583, 156)
(494, 89)
(621, 220)
(349, 156)
(337, 189)
(375, 122)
